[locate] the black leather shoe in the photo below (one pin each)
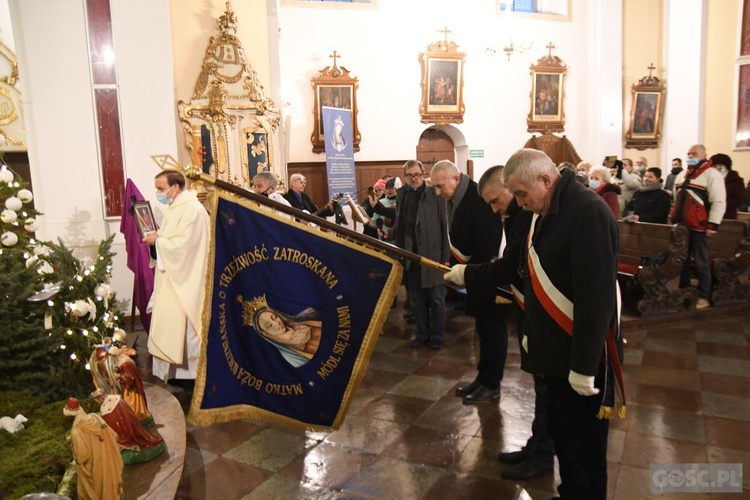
(529, 469)
(468, 389)
(513, 457)
(482, 395)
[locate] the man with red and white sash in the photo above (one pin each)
(570, 280)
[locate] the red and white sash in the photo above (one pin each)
(560, 309)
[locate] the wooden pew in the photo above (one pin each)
(743, 215)
(729, 254)
(650, 257)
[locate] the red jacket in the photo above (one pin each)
(610, 192)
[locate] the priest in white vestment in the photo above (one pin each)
(179, 287)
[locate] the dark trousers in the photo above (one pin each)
(493, 345)
(540, 443)
(427, 304)
(698, 248)
(580, 441)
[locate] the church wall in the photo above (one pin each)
(722, 50)
(385, 58)
(643, 36)
(58, 105)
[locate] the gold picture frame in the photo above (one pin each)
(333, 86)
(646, 110)
(442, 84)
(547, 108)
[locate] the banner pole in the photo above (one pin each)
(196, 174)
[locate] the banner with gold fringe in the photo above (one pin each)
(291, 317)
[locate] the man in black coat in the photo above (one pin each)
(537, 457)
(475, 233)
(572, 339)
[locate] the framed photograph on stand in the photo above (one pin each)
(144, 217)
(442, 83)
(333, 87)
(646, 110)
(547, 113)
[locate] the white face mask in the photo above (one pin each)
(722, 170)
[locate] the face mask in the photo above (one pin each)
(722, 170)
(162, 198)
(693, 161)
(595, 184)
(640, 168)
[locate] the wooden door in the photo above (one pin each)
(435, 145)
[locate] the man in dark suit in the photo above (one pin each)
(298, 199)
(475, 233)
(421, 227)
(572, 339)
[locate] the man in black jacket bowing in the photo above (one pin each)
(474, 234)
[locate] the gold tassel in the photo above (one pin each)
(606, 412)
(621, 410)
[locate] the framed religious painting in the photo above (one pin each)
(333, 87)
(742, 107)
(144, 217)
(646, 109)
(442, 84)
(547, 95)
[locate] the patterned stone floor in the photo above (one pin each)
(407, 436)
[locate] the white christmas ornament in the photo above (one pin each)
(79, 308)
(92, 309)
(31, 224)
(6, 175)
(120, 335)
(13, 203)
(25, 195)
(32, 261)
(8, 216)
(102, 290)
(9, 238)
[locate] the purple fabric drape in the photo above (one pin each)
(138, 255)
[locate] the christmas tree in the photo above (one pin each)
(56, 307)
(25, 349)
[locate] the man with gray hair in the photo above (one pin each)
(474, 234)
(571, 323)
(265, 183)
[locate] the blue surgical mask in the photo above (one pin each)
(595, 184)
(162, 198)
(693, 161)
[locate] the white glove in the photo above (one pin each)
(582, 384)
(525, 343)
(456, 275)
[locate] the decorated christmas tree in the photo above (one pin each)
(56, 307)
(25, 349)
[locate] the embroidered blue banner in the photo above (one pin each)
(292, 314)
(339, 152)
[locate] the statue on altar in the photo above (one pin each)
(97, 454)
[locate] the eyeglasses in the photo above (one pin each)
(414, 176)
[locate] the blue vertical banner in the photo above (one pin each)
(292, 314)
(337, 123)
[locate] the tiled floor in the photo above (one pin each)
(407, 436)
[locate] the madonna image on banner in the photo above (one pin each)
(291, 316)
